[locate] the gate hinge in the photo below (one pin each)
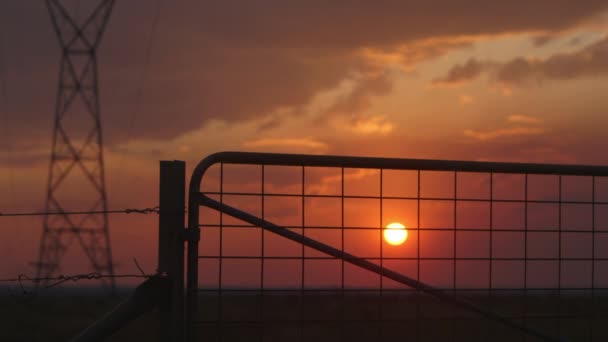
(191, 235)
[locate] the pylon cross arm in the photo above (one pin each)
(79, 38)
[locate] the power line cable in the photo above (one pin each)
(3, 110)
(143, 78)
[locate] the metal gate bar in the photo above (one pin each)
(198, 198)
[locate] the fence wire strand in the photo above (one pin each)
(60, 279)
(144, 211)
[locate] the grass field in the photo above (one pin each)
(317, 316)
(58, 317)
(364, 316)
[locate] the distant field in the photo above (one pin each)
(318, 316)
(367, 316)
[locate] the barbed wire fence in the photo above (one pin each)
(23, 280)
(144, 211)
(42, 301)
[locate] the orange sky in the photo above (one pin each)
(456, 79)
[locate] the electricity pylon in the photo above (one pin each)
(76, 180)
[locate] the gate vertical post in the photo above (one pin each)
(171, 247)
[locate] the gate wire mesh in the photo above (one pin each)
(528, 241)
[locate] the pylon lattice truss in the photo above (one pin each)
(76, 177)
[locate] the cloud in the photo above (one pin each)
(287, 143)
(363, 89)
(542, 39)
(24, 156)
(371, 125)
(365, 125)
(589, 61)
(503, 132)
(462, 72)
(322, 23)
(465, 99)
(241, 60)
(592, 60)
(526, 126)
(408, 55)
(524, 119)
(326, 183)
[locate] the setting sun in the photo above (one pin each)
(395, 233)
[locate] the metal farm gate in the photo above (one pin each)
(291, 248)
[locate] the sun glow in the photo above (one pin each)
(395, 233)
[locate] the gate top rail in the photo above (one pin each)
(281, 159)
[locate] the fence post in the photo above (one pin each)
(171, 247)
